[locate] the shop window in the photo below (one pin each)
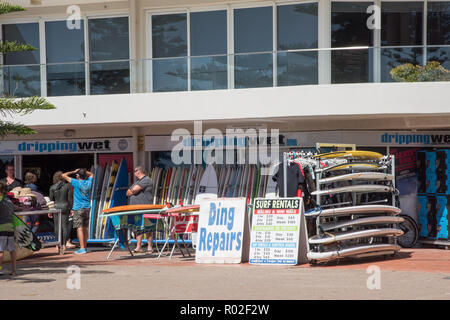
(253, 45)
(208, 50)
(21, 70)
(349, 29)
(438, 32)
(297, 29)
(65, 59)
(401, 25)
(169, 43)
(109, 55)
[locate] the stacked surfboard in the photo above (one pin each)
(108, 190)
(356, 216)
(181, 184)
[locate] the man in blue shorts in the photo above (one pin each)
(81, 204)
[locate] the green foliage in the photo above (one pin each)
(14, 46)
(10, 106)
(7, 128)
(432, 71)
(6, 7)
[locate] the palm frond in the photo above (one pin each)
(7, 128)
(7, 7)
(22, 106)
(14, 46)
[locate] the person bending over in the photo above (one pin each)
(6, 228)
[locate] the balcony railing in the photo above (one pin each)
(218, 72)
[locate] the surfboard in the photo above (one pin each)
(380, 220)
(208, 185)
(106, 177)
(364, 188)
(352, 251)
(354, 166)
(184, 209)
(331, 238)
(372, 176)
(112, 179)
(357, 154)
(355, 210)
(134, 207)
(95, 195)
(119, 197)
(272, 185)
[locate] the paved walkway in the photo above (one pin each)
(413, 274)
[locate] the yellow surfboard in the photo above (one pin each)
(356, 154)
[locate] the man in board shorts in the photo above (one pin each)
(81, 204)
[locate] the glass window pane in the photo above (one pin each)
(297, 26)
(349, 24)
(438, 23)
(401, 23)
(253, 30)
(208, 33)
(351, 66)
(297, 68)
(109, 39)
(209, 73)
(253, 70)
(66, 79)
(391, 58)
(441, 55)
(169, 35)
(22, 81)
(170, 75)
(110, 77)
(25, 33)
(63, 44)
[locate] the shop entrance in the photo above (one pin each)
(46, 165)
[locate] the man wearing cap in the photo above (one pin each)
(81, 204)
(10, 180)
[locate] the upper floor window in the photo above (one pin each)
(109, 54)
(253, 36)
(349, 29)
(169, 51)
(65, 59)
(21, 75)
(297, 28)
(438, 32)
(401, 25)
(208, 36)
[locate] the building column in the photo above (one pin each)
(324, 33)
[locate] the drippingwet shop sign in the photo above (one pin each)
(103, 145)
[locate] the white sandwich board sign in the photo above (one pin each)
(278, 234)
(223, 235)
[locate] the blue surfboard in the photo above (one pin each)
(119, 194)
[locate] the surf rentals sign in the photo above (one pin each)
(278, 234)
(104, 145)
(222, 231)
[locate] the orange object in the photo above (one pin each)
(184, 209)
(134, 207)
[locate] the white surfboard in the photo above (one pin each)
(208, 185)
(379, 220)
(359, 210)
(271, 189)
(382, 232)
(373, 176)
(352, 251)
(363, 188)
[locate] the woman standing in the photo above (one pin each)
(30, 181)
(62, 194)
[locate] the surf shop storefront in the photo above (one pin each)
(422, 167)
(45, 157)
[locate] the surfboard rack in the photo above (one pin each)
(386, 169)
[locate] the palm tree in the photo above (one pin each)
(10, 105)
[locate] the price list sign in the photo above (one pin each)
(275, 231)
